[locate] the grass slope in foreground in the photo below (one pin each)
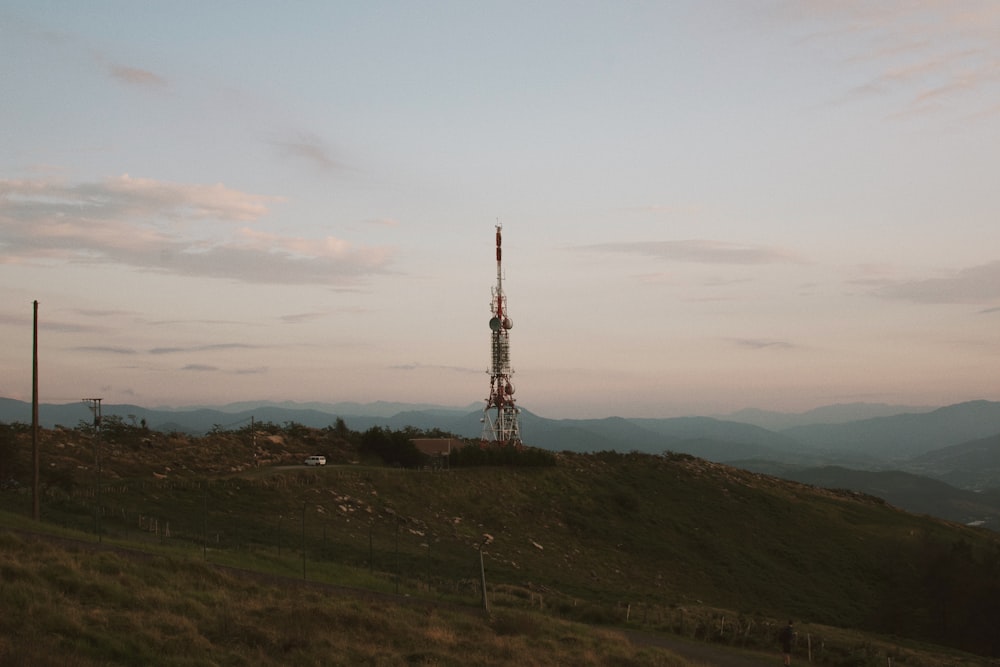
(607, 538)
(80, 608)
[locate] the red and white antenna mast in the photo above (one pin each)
(501, 426)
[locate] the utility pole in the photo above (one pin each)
(36, 511)
(95, 407)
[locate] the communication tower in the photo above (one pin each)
(501, 426)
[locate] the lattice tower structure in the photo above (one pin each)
(501, 424)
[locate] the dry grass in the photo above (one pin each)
(80, 608)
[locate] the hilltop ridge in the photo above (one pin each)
(958, 445)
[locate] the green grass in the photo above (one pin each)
(66, 606)
(670, 544)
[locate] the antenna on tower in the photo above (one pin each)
(501, 425)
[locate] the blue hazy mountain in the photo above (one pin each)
(968, 465)
(839, 413)
(904, 436)
(910, 492)
(873, 443)
(887, 438)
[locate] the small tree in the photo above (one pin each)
(392, 447)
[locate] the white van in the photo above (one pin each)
(316, 461)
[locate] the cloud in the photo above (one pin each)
(203, 348)
(928, 53)
(207, 368)
(108, 349)
(200, 368)
(700, 251)
(15, 320)
(170, 228)
(135, 76)
(105, 349)
(308, 148)
(251, 371)
(416, 366)
(298, 318)
(763, 343)
(973, 285)
(45, 324)
(125, 196)
(101, 313)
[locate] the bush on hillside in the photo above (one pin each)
(391, 447)
(501, 456)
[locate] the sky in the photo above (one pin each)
(706, 206)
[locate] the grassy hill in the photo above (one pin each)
(71, 607)
(673, 543)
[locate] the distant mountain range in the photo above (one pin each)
(828, 414)
(926, 460)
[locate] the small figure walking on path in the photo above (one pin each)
(786, 636)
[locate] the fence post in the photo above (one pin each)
(487, 539)
(482, 579)
(204, 524)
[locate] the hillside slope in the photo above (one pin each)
(652, 532)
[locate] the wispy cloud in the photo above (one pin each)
(260, 370)
(298, 318)
(168, 227)
(47, 324)
(215, 347)
(116, 198)
(203, 348)
(973, 285)
(105, 349)
(700, 251)
(99, 313)
(416, 366)
(310, 149)
(927, 52)
(763, 343)
(208, 368)
(135, 76)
